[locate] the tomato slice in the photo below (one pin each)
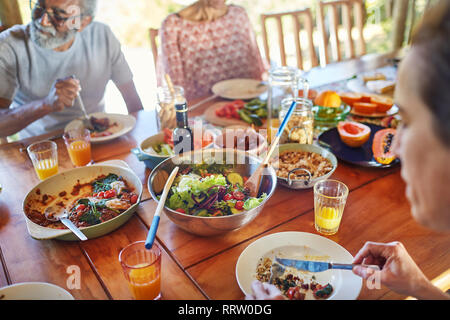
(133, 199)
(238, 195)
(227, 197)
(239, 205)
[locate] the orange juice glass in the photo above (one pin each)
(142, 269)
(44, 155)
(330, 197)
(78, 143)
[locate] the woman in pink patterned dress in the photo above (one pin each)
(205, 43)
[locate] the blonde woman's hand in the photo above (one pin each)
(264, 291)
(398, 271)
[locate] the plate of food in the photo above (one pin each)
(300, 166)
(362, 144)
(98, 199)
(34, 291)
(239, 89)
(256, 260)
(237, 112)
(369, 105)
(107, 126)
(378, 82)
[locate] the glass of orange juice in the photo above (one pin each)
(78, 143)
(142, 269)
(44, 155)
(330, 197)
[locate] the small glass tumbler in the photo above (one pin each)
(330, 197)
(78, 143)
(142, 269)
(44, 155)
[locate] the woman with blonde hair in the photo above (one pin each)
(207, 42)
(423, 145)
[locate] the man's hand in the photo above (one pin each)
(62, 94)
(264, 291)
(398, 271)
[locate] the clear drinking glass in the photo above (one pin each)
(330, 197)
(142, 269)
(300, 128)
(44, 155)
(78, 143)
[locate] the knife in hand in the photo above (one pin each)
(318, 266)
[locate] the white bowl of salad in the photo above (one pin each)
(209, 198)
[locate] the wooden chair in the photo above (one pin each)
(296, 17)
(333, 9)
(153, 43)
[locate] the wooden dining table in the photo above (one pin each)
(194, 267)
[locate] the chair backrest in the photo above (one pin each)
(153, 36)
(296, 16)
(332, 8)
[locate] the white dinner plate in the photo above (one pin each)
(235, 89)
(34, 291)
(125, 123)
(303, 246)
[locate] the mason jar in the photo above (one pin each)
(165, 109)
(300, 128)
(284, 82)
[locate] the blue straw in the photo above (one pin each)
(286, 118)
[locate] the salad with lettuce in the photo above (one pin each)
(211, 191)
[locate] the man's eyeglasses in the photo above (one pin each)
(55, 15)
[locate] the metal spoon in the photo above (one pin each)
(60, 214)
(86, 120)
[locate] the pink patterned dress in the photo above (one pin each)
(197, 55)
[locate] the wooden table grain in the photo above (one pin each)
(195, 267)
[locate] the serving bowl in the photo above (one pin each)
(325, 117)
(245, 164)
(151, 158)
(306, 183)
(65, 181)
(257, 141)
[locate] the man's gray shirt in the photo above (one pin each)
(27, 71)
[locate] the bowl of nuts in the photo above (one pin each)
(300, 166)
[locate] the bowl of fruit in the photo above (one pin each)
(329, 109)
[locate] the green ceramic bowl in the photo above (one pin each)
(65, 181)
(327, 114)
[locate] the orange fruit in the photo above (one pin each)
(365, 107)
(384, 104)
(328, 99)
(351, 97)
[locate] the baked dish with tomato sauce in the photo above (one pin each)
(88, 204)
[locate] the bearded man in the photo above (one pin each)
(44, 65)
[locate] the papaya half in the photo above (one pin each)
(353, 134)
(382, 146)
